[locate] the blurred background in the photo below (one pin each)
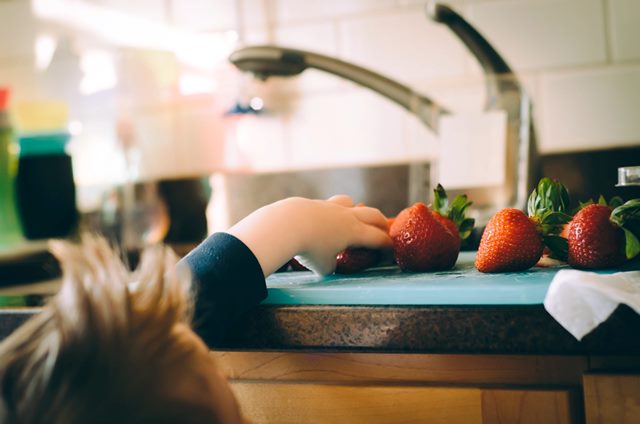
(169, 141)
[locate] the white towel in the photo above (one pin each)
(581, 300)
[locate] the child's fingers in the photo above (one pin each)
(320, 266)
(371, 216)
(342, 200)
(372, 237)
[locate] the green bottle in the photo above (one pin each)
(10, 229)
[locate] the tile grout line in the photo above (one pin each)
(608, 27)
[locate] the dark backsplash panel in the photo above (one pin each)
(589, 174)
(383, 187)
(586, 174)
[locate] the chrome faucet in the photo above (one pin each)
(267, 61)
(503, 91)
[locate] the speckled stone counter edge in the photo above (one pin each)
(441, 329)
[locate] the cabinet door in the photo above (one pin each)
(612, 398)
(281, 402)
(530, 406)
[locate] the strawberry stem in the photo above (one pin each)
(548, 196)
(454, 211)
(548, 207)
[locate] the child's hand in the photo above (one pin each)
(313, 230)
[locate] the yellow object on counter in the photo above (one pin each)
(41, 116)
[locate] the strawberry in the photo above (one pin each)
(513, 241)
(602, 237)
(510, 242)
(449, 225)
(564, 233)
(356, 259)
(421, 242)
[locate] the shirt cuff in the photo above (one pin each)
(227, 281)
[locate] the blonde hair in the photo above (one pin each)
(105, 348)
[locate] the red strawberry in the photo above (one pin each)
(356, 259)
(421, 242)
(602, 237)
(513, 241)
(510, 242)
(448, 224)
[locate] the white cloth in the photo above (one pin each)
(581, 300)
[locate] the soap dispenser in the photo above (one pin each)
(46, 193)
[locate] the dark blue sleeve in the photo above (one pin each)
(227, 282)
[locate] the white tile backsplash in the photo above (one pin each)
(579, 59)
(456, 95)
(199, 129)
(301, 10)
(624, 21)
(21, 78)
(422, 143)
(348, 128)
(256, 143)
(590, 109)
(255, 13)
(204, 15)
(18, 31)
(318, 38)
(538, 34)
(153, 10)
(406, 46)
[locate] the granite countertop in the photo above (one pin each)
(459, 311)
(522, 329)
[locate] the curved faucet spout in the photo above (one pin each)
(267, 61)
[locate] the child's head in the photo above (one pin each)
(103, 351)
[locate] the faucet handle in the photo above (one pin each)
(489, 58)
(501, 81)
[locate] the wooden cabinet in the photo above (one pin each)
(380, 403)
(612, 398)
(368, 403)
(278, 387)
(531, 406)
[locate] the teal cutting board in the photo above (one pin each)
(463, 285)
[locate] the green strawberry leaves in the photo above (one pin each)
(550, 222)
(548, 205)
(559, 246)
(632, 245)
(549, 195)
(465, 228)
(627, 217)
(440, 200)
(454, 211)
